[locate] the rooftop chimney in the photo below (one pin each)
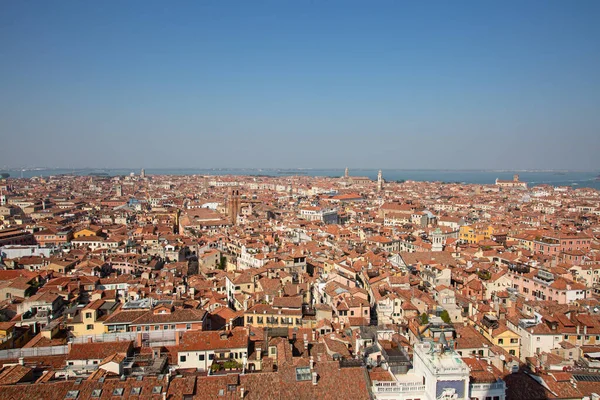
(241, 393)
(314, 378)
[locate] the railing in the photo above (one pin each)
(151, 336)
(33, 352)
(398, 387)
(350, 363)
(487, 386)
(160, 343)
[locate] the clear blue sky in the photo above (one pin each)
(373, 84)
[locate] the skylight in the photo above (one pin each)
(72, 394)
(303, 374)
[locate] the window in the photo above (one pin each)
(566, 337)
(89, 327)
(96, 393)
(182, 358)
(211, 356)
(303, 374)
(500, 341)
(88, 315)
(512, 352)
(538, 339)
(513, 340)
(118, 392)
(136, 390)
(273, 350)
(188, 326)
(250, 319)
(72, 394)
(165, 327)
(156, 389)
(201, 357)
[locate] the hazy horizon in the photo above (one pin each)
(462, 85)
(137, 169)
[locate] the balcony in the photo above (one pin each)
(398, 387)
(487, 386)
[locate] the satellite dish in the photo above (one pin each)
(502, 357)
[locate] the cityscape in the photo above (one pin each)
(280, 200)
(200, 286)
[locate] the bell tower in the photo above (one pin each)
(437, 240)
(234, 206)
(379, 181)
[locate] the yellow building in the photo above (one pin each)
(12, 337)
(475, 233)
(525, 240)
(7, 331)
(90, 319)
(91, 231)
(498, 333)
(264, 315)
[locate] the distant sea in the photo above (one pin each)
(574, 179)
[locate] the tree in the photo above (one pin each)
(222, 263)
(445, 316)
(424, 319)
(484, 275)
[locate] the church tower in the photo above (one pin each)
(119, 191)
(234, 206)
(437, 240)
(176, 221)
(379, 181)
(346, 175)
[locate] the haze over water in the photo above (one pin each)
(574, 179)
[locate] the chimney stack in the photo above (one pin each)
(241, 393)
(314, 378)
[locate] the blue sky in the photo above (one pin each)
(372, 84)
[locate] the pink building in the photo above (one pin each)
(543, 285)
(557, 243)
